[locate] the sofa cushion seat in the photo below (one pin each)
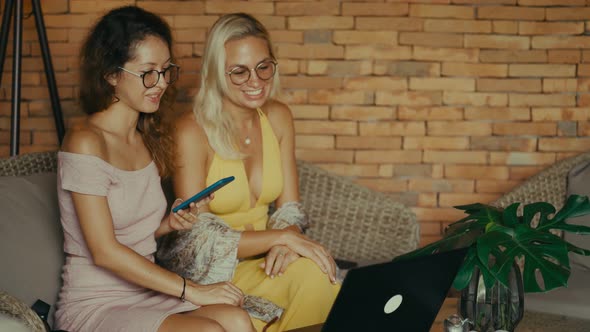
(569, 301)
(31, 238)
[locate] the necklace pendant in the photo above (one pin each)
(247, 141)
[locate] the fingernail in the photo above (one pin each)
(280, 274)
(272, 276)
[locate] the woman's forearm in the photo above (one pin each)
(131, 266)
(253, 243)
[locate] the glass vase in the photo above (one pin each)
(497, 308)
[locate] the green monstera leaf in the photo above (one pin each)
(497, 237)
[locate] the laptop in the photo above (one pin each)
(402, 295)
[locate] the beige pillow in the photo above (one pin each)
(14, 314)
(578, 182)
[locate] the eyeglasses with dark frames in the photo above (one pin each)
(151, 78)
(265, 70)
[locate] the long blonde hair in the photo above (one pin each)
(208, 105)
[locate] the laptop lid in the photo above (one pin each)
(403, 295)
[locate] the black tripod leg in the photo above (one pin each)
(16, 70)
(8, 6)
(49, 74)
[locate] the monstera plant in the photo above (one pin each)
(498, 237)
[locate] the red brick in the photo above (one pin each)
(497, 42)
(378, 52)
(513, 56)
(552, 42)
(389, 23)
(459, 128)
(409, 98)
(387, 156)
(320, 22)
(286, 36)
(430, 113)
(352, 170)
(365, 37)
(549, 3)
(325, 127)
(314, 142)
(362, 113)
(560, 114)
(396, 128)
(564, 56)
(478, 70)
(376, 9)
(446, 11)
(568, 14)
(509, 85)
(449, 54)
(442, 83)
(431, 39)
(456, 157)
(505, 27)
(451, 199)
(495, 186)
(223, 7)
(427, 200)
(560, 85)
(315, 51)
(550, 28)
(497, 113)
(193, 21)
(476, 172)
(475, 98)
(522, 158)
(541, 100)
(375, 83)
(436, 214)
(436, 143)
(524, 128)
(338, 68)
(69, 21)
(310, 111)
(561, 144)
(339, 97)
(309, 82)
(468, 26)
(368, 142)
(303, 8)
(406, 68)
(503, 143)
(441, 185)
(511, 13)
(524, 172)
(327, 156)
(536, 70)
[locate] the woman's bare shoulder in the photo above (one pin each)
(278, 114)
(188, 129)
(84, 138)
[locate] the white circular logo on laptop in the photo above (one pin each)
(393, 303)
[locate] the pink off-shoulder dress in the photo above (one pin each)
(92, 298)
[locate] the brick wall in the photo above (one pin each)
(438, 103)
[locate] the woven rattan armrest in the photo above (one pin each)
(352, 221)
(30, 163)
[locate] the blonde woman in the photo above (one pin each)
(238, 129)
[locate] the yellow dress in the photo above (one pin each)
(303, 290)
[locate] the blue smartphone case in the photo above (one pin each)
(204, 193)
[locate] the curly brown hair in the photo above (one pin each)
(109, 45)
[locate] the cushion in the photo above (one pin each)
(17, 316)
(571, 301)
(578, 182)
(31, 238)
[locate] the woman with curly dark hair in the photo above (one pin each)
(111, 201)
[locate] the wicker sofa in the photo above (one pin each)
(354, 222)
(551, 185)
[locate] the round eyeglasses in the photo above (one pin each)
(151, 78)
(265, 70)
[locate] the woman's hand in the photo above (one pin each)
(277, 259)
(184, 219)
(306, 247)
(218, 293)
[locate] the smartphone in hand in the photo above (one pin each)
(204, 193)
